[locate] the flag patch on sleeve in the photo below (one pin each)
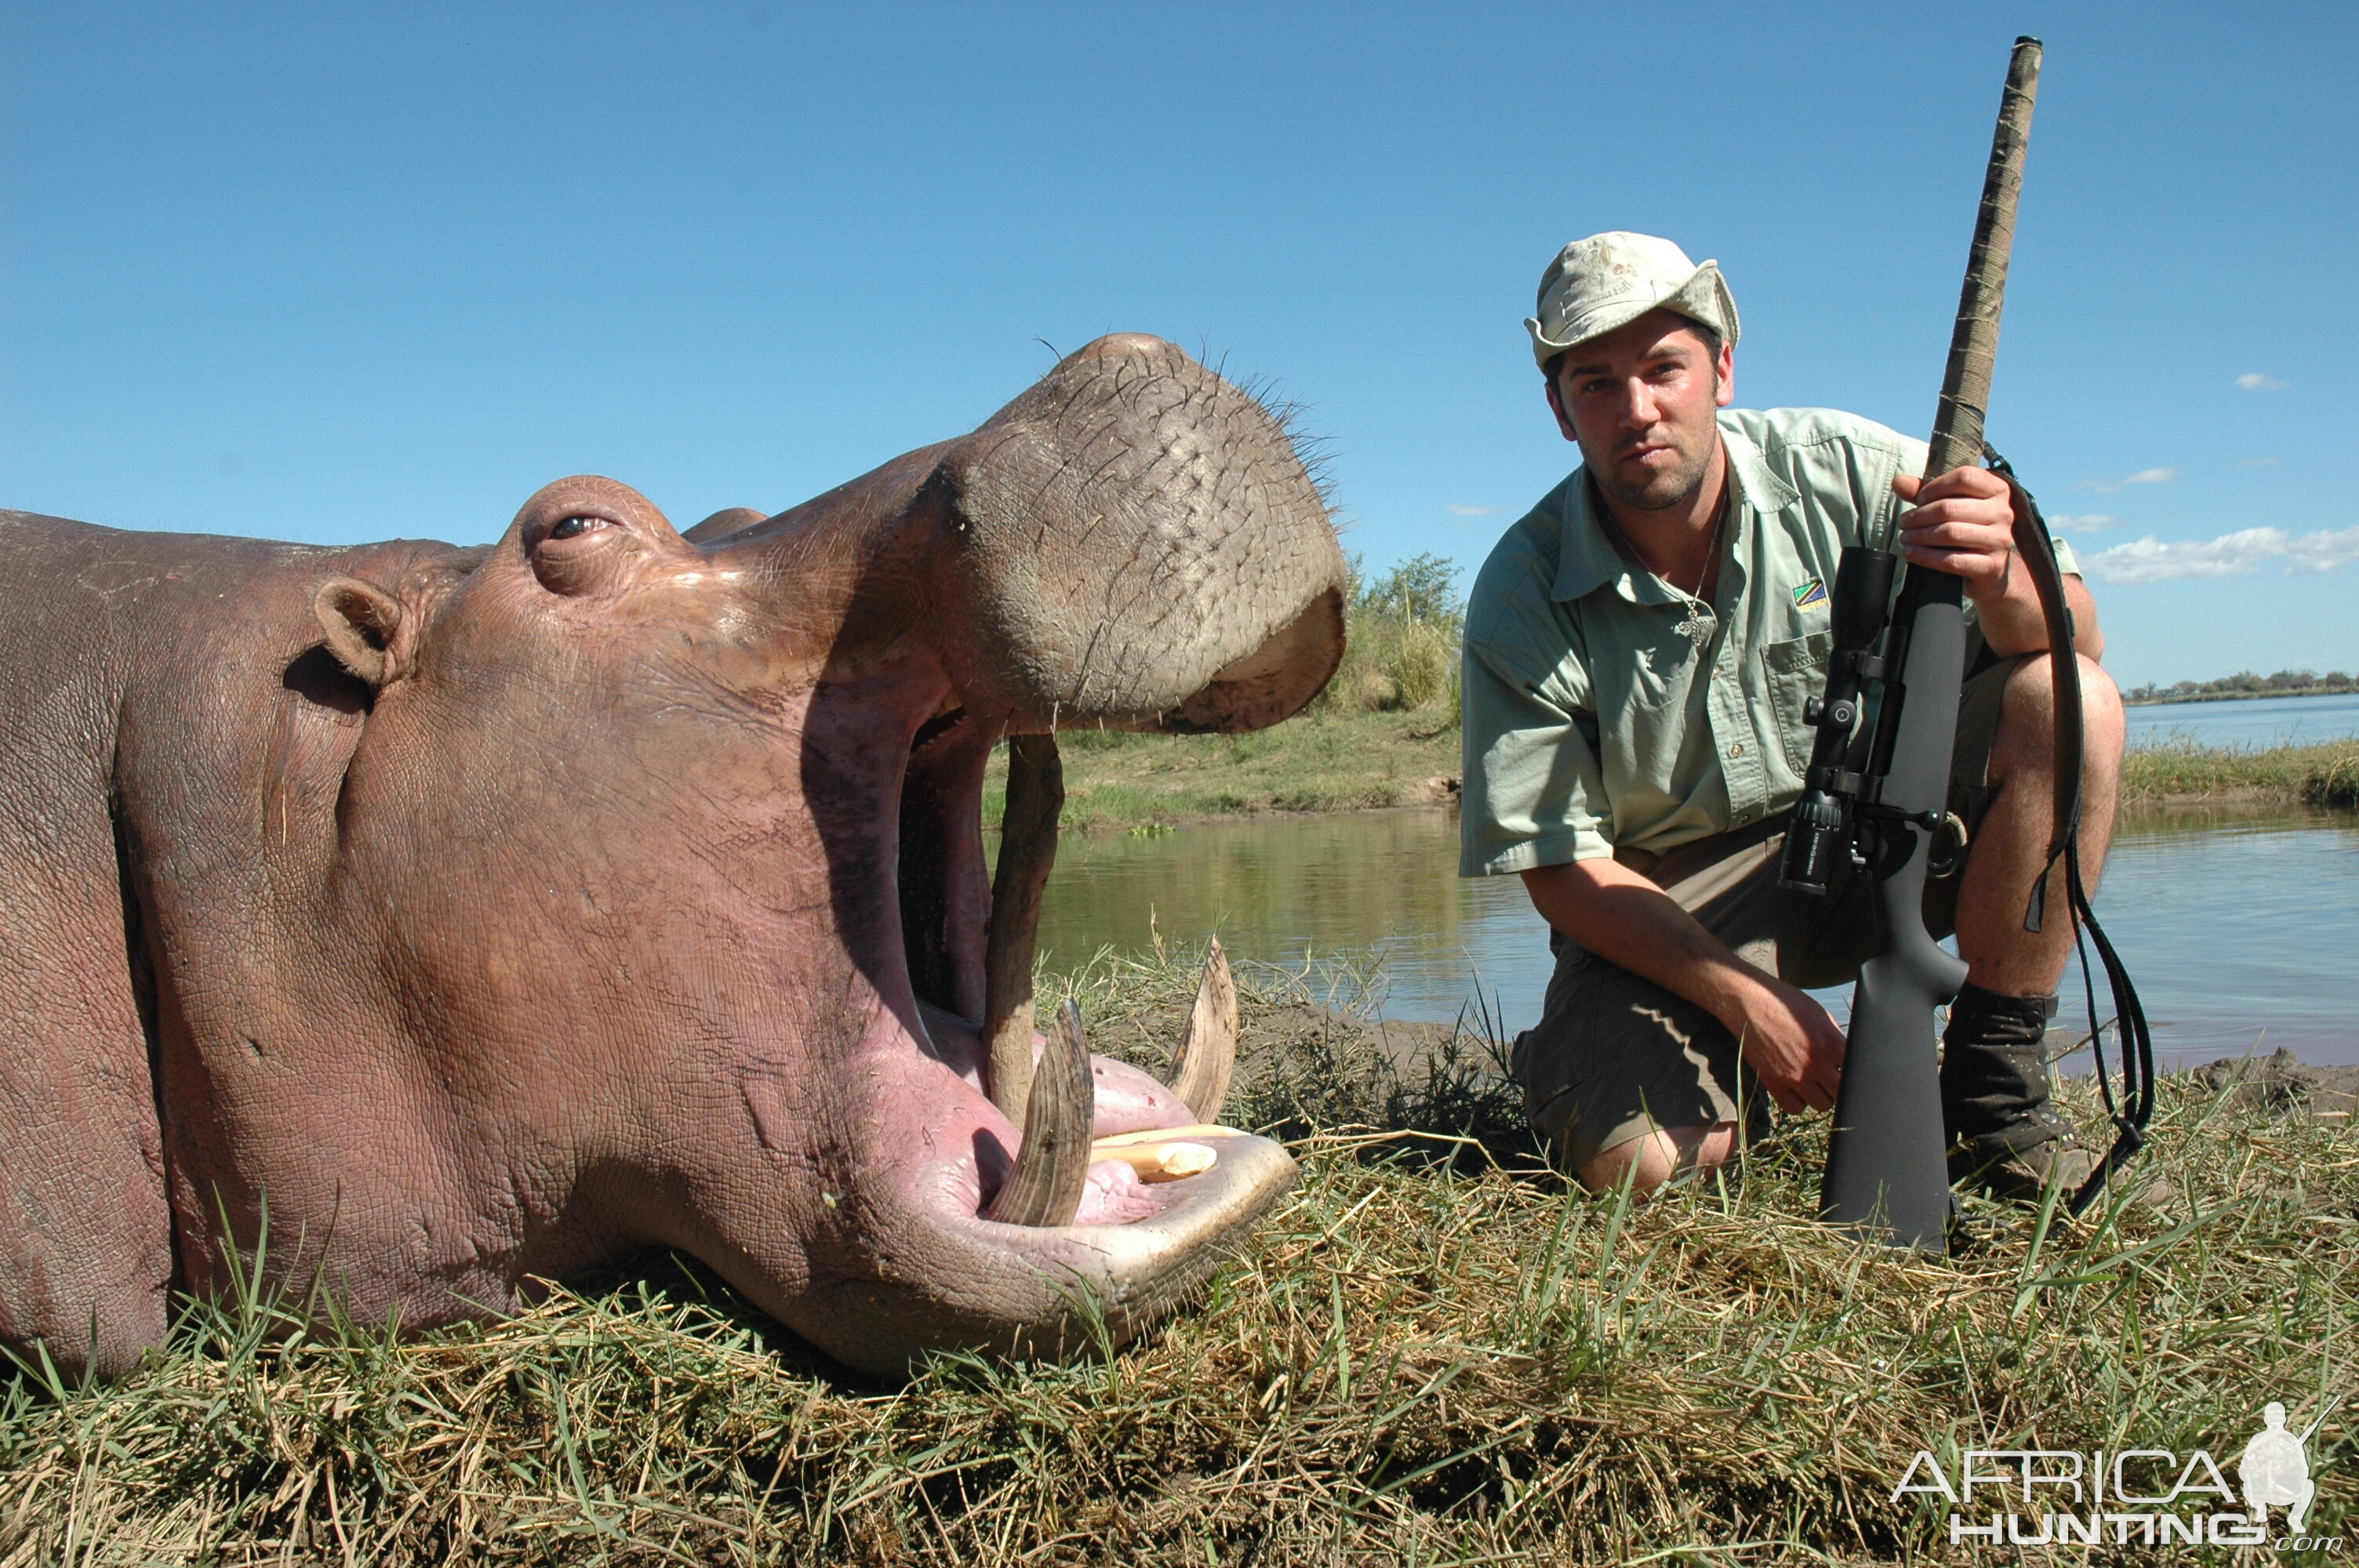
(1811, 592)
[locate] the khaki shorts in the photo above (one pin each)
(1614, 1056)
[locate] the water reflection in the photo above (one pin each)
(1379, 886)
(2237, 929)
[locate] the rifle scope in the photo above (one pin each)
(1817, 833)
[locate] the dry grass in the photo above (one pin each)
(1433, 1353)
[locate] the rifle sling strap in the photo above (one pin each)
(2132, 1112)
(2036, 553)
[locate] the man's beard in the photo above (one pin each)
(1659, 491)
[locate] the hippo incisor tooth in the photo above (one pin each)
(1164, 1161)
(1045, 1188)
(1208, 1052)
(1028, 849)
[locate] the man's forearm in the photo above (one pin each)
(1625, 919)
(1964, 522)
(2013, 621)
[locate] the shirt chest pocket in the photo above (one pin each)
(1661, 672)
(1794, 671)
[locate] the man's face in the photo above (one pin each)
(1640, 400)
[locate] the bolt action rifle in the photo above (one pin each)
(1886, 1174)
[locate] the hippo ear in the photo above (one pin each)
(364, 624)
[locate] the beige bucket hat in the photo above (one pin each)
(1610, 280)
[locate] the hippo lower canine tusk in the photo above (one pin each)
(1028, 851)
(1045, 1188)
(1207, 1057)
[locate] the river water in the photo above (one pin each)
(2240, 931)
(2260, 722)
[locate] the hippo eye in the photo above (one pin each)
(574, 528)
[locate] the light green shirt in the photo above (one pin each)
(1590, 721)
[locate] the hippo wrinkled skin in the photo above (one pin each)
(469, 915)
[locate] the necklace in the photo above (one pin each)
(1697, 627)
(1699, 623)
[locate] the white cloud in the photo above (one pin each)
(1460, 509)
(2143, 476)
(2240, 554)
(2254, 380)
(2086, 523)
(2257, 464)
(2324, 551)
(2150, 560)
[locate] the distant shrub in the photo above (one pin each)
(1363, 685)
(1422, 657)
(1401, 648)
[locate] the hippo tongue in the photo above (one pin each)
(1028, 849)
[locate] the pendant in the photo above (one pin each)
(1699, 625)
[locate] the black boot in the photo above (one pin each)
(2007, 1139)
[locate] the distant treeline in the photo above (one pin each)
(2285, 682)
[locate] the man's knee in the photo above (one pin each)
(2026, 725)
(1651, 1158)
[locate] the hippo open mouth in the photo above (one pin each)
(1133, 543)
(1005, 1159)
(1056, 1095)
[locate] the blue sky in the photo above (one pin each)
(338, 273)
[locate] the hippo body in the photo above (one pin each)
(455, 916)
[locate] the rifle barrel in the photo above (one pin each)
(1973, 341)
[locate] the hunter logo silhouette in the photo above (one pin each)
(2276, 1469)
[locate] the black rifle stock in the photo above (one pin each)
(1886, 1175)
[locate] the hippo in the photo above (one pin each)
(428, 921)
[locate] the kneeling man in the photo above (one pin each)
(1638, 651)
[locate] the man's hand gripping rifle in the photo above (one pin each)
(1886, 1172)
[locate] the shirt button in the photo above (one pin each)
(1737, 749)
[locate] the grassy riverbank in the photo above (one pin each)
(1320, 762)
(1337, 760)
(2170, 775)
(1430, 1353)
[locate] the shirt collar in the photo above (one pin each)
(1586, 559)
